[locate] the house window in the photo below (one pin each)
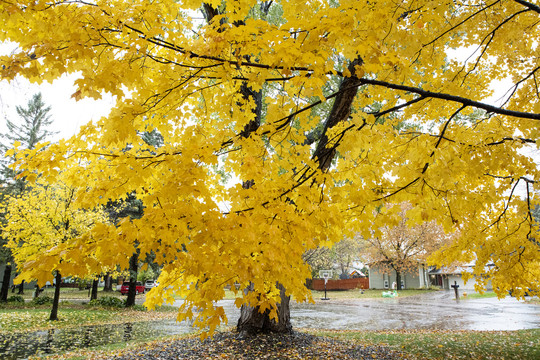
(402, 284)
(386, 284)
(435, 280)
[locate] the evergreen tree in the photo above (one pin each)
(29, 131)
(33, 128)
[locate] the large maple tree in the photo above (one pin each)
(325, 111)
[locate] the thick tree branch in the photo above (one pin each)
(452, 98)
(341, 109)
(351, 80)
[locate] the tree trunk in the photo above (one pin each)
(108, 282)
(253, 322)
(133, 268)
(21, 288)
(56, 299)
(398, 280)
(5, 284)
(93, 295)
(37, 291)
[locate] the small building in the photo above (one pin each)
(382, 277)
(445, 277)
(351, 270)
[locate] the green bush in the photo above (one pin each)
(42, 300)
(108, 301)
(83, 284)
(138, 307)
(15, 299)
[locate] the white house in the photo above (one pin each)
(445, 277)
(381, 277)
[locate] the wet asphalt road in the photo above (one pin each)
(429, 311)
(437, 310)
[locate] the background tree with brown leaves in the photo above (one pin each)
(400, 247)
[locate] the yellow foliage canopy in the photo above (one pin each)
(409, 125)
(43, 228)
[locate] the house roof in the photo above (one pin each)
(464, 268)
(357, 272)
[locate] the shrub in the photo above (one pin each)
(138, 307)
(15, 299)
(108, 301)
(42, 300)
(83, 284)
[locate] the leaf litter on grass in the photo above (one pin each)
(450, 344)
(228, 345)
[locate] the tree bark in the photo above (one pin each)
(252, 321)
(21, 288)
(398, 280)
(93, 295)
(56, 299)
(108, 282)
(341, 109)
(133, 269)
(36, 291)
(5, 283)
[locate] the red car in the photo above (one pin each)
(139, 288)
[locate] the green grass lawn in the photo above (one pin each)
(475, 295)
(28, 317)
(522, 344)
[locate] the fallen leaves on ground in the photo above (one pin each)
(449, 344)
(229, 345)
(30, 319)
